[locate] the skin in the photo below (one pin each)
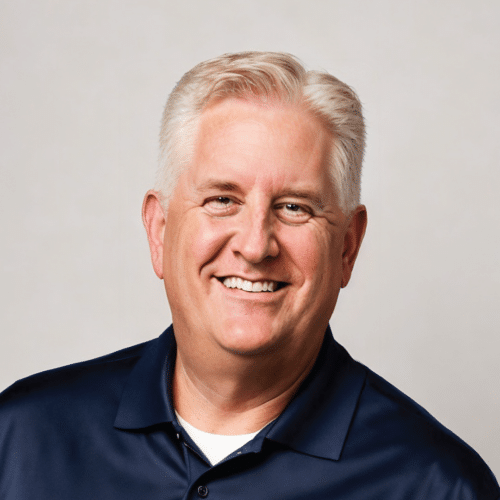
(255, 202)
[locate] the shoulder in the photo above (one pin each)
(60, 421)
(409, 440)
(94, 382)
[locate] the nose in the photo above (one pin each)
(255, 239)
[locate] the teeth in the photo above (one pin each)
(248, 286)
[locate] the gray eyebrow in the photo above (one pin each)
(306, 195)
(220, 185)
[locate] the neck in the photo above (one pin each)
(237, 394)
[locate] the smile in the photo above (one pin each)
(251, 286)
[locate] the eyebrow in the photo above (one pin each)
(213, 184)
(306, 195)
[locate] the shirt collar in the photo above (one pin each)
(147, 398)
(316, 421)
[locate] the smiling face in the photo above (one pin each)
(255, 248)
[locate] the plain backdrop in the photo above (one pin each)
(82, 87)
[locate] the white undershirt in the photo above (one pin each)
(216, 447)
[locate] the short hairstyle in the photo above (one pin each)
(268, 76)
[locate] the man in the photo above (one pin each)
(254, 226)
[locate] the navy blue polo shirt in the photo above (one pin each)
(106, 429)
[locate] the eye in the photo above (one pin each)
(221, 201)
(292, 212)
(292, 207)
(220, 205)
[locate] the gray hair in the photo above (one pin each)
(269, 76)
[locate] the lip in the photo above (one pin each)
(254, 279)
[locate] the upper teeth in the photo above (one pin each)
(249, 286)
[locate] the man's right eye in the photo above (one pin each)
(222, 201)
(220, 205)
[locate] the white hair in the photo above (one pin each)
(268, 76)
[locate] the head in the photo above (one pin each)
(267, 77)
(255, 224)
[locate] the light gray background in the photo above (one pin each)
(82, 86)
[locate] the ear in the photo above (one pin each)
(154, 222)
(352, 241)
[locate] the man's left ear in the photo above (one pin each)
(352, 241)
(154, 222)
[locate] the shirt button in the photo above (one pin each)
(203, 491)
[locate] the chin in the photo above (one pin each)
(248, 339)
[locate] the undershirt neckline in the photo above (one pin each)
(216, 447)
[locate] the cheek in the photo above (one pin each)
(204, 238)
(316, 254)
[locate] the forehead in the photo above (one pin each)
(287, 122)
(239, 135)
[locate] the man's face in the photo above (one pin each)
(255, 247)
